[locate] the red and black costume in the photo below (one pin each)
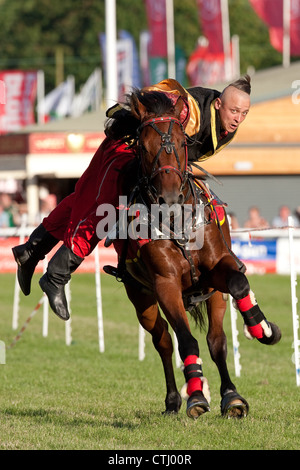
(74, 220)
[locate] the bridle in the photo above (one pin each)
(169, 147)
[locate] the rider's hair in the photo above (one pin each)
(243, 84)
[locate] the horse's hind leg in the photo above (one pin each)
(149, 317)
(232, 404)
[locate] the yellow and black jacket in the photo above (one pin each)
(204, 126)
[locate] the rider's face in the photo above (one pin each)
(233, 107)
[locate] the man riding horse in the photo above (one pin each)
(210, 119)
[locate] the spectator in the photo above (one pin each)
(281, 220)
(233, 221)
(10, 208)
(4, 218)
(47, 205)
(297, 214)
(255, 220)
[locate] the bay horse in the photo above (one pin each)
(170, 276)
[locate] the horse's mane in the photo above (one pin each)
(123, 125)
(155, 102)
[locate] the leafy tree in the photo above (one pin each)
(33, 30)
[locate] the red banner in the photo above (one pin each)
(210, 63)
(8, 264)
(205, 68)
(271, 12)
(2, 92)
(156, 14)
(210, 17)
(18, 110)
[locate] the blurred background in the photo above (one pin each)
(63, 63)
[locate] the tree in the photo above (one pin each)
(32, 30)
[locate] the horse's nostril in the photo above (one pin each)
(180, 199)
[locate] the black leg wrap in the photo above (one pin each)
(192, 371)
(253, 316)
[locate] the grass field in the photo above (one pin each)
(58, 397)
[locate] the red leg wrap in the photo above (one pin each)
(194, 383)
(256, 331)
(245, 303)
(248, 307)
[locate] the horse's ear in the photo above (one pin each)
(180, 103)
(138, 110)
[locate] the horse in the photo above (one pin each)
(181, 272)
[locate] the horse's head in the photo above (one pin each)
(162, 146)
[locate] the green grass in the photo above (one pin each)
(56, 397)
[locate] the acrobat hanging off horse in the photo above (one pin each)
(211, 120)
(165, 129)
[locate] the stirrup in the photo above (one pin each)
(113, 271)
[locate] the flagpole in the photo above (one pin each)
(111, 53)
(40, 97)
(226, 39)
(170, 39)
(286, 33)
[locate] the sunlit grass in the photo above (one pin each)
(54, 396)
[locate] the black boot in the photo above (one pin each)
(58, 274)
(30, 253)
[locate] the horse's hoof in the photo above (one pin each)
(173, 403)
(233, 405)
(197, 405)
(274, 338)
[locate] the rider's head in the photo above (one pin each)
(234, 103)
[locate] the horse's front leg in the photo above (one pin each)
(196, 390)
(226, 277)
(149, 317)
(232, 404)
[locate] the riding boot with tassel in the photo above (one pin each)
(58, 274)
(30, 253)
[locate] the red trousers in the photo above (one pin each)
(74, 220)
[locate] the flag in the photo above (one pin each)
(271, 12)
(2, 92)
(205, 67)
(157, 24)
(89, 96)
(210, 17)
(212, 61)
(125, 63)
(18, 94)
(135, 64)
(58, 103)
(157, 47)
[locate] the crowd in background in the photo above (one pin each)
(11, 213)
(257, 221)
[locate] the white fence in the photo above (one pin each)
(268, 250)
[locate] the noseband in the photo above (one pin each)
(166, 145)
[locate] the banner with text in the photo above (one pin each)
(18, 110)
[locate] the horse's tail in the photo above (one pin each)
(198, 313)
